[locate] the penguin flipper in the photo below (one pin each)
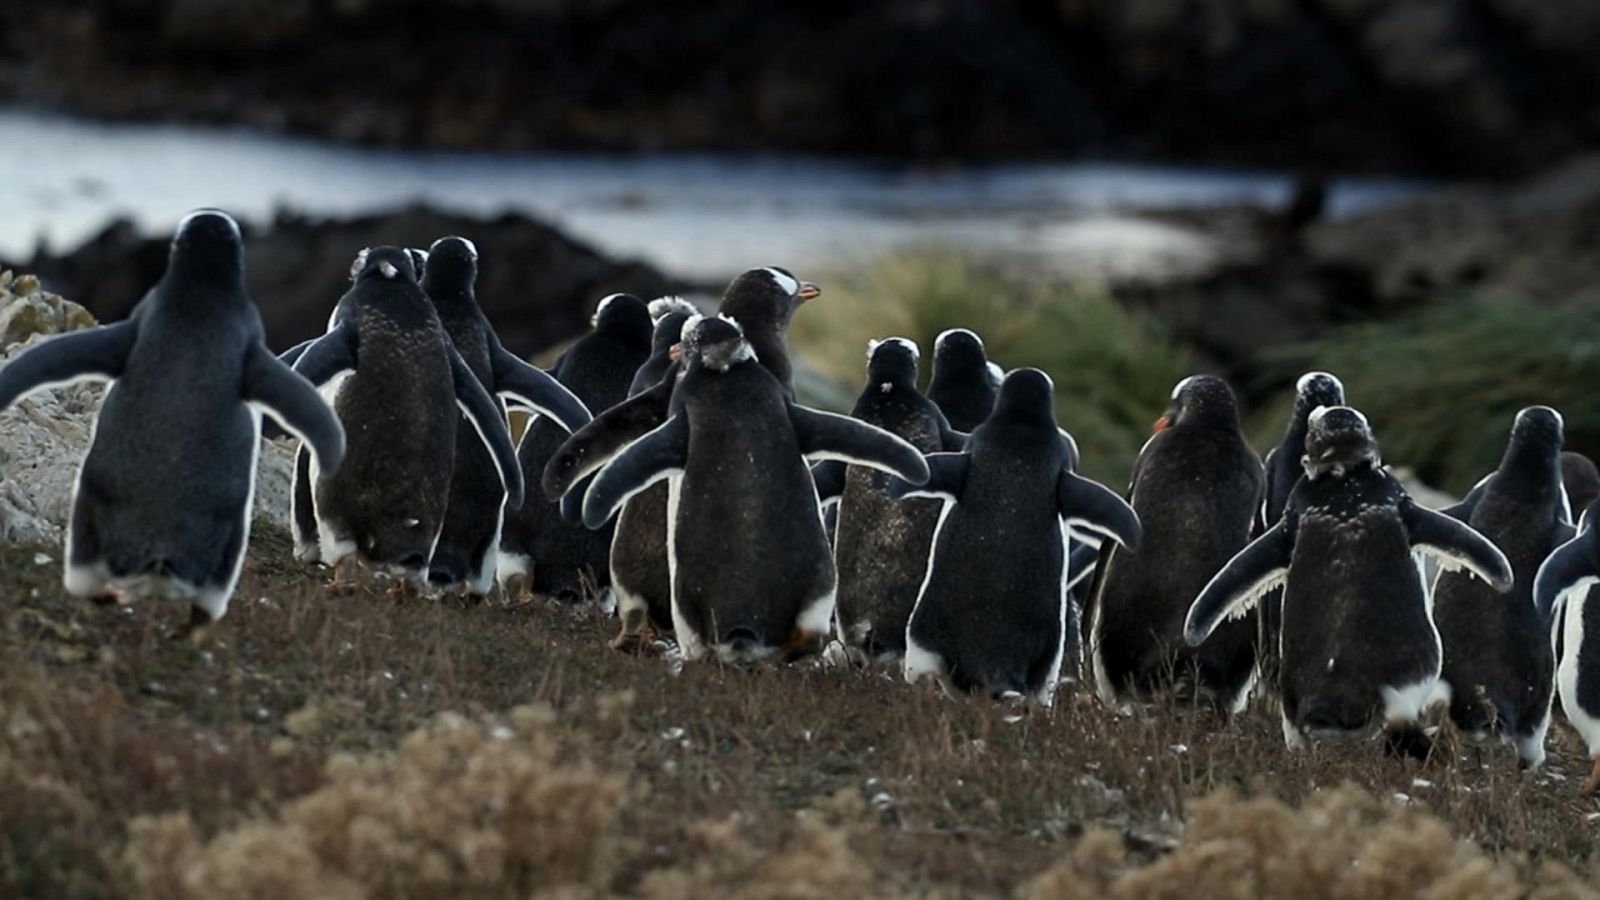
(1082, 559)
(1456, 545)
(1092, 506)
(1573, 566)
(658, 455)
(1254, 572)
(295, 404)
(829, 478)
(93, 354)
(1462, 511)
(532, 387)
(593, 445)
(572, 501)
(328, 356)
(947, 475)
(292, 355)
(829, 436)
(488, 418)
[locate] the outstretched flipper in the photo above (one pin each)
(1253, 573)
(658, 455)
(329, 356)
(531, 387)
(593, 445)
(1573, 566)
(1456, 546)
(572, 501)
(947, 475)
(489, 420)
(295, 404)
(1462, 511)
(1082, 559)
(829, 477)
(292, 355)
(94, 354)
(828, 436)
(1093, 507)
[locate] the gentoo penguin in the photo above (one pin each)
(1358, 638)
(964, 383)
(467, 549)
(639, 577)
(881, 546)
(1196, 487)
(1283, 469)
(734, 447)
(1563, 591)
(992, 610)
(162, 502)
(1580, 479)
(396, 382)
(1499, 667)
(561, 556)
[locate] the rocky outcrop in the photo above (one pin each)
(1452, 87)
(536, 285)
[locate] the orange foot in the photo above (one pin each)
(1593, 783)
(803, 643)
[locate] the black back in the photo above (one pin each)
(964, 384)
(1196, 487)
(1497, 654)
(598, 368)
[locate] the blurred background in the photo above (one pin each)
(1122, 192)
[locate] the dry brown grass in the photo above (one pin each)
(363, 747)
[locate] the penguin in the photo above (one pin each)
(639, 576)
(561, 556)
(1580, 479)
(467, 551)
(992, 610)
(1358, 639)
(881, 546)
(1562, 593)
(397, 383)
(1196, 488)
(1499, 666)
(964, 383)
(733, 451)
(162, 502)
(763, 301)
(1282, 464)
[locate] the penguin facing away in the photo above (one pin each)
(560, 556)
(881, 545)
(396, 383)
(639, 576)
(965, 383)
(1563, 591)
(1358, 638)
(162, 501)
(1499, 666)
(992, 610)
(1196, 487)
(1580, 479)
(734, 447)
(468, 545)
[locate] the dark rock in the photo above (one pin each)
(536, 285)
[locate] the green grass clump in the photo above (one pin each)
(1441, 387)
(1113, 370)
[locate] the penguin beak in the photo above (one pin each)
(808, 291)
(1162, 424)
(675, 352)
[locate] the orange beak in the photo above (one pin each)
(675, 353)
(808, 291)
(1162, 424)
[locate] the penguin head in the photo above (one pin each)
(767, 297)
(207, 244)
(1027, 394)
(1581, 479)
(419, 261)
(1316, 389)
(1338, 440)
(449, 267)
(1200, 398)
(669, 314)
(383, 264)
(714, 342)
(624, 316)
(960, 350)
(1538, 425)
(893, 362)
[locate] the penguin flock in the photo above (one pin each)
(944, 534)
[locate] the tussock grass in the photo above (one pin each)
(1441, 387)
(359, 746)
(1114, 371)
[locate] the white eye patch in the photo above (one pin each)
(785, 283)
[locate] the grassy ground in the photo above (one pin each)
(362, 746)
